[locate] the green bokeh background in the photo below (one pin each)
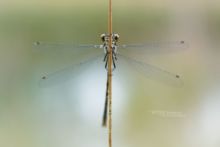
(69, 113)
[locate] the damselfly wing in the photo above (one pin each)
(123, 52)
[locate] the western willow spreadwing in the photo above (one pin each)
(112, 52)
(119, 51)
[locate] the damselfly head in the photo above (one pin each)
(105, 37)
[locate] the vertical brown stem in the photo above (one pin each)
(110, 74)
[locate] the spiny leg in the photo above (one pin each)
(113, 61)
(114, 55)
(106, 62)
(106, 54)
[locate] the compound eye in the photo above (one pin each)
(116, 37)
(103, 37)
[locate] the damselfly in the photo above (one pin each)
(110, 47)
(121, 51)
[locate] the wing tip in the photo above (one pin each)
(184, 44)
(37, 43)
(44, 78)
(180, 82)
(177, 76)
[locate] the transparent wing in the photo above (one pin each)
(155, 47)
(65, 74)
(46, 46)
(156, 73)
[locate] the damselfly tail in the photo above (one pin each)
(104, 119)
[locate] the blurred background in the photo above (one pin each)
(145, 112)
